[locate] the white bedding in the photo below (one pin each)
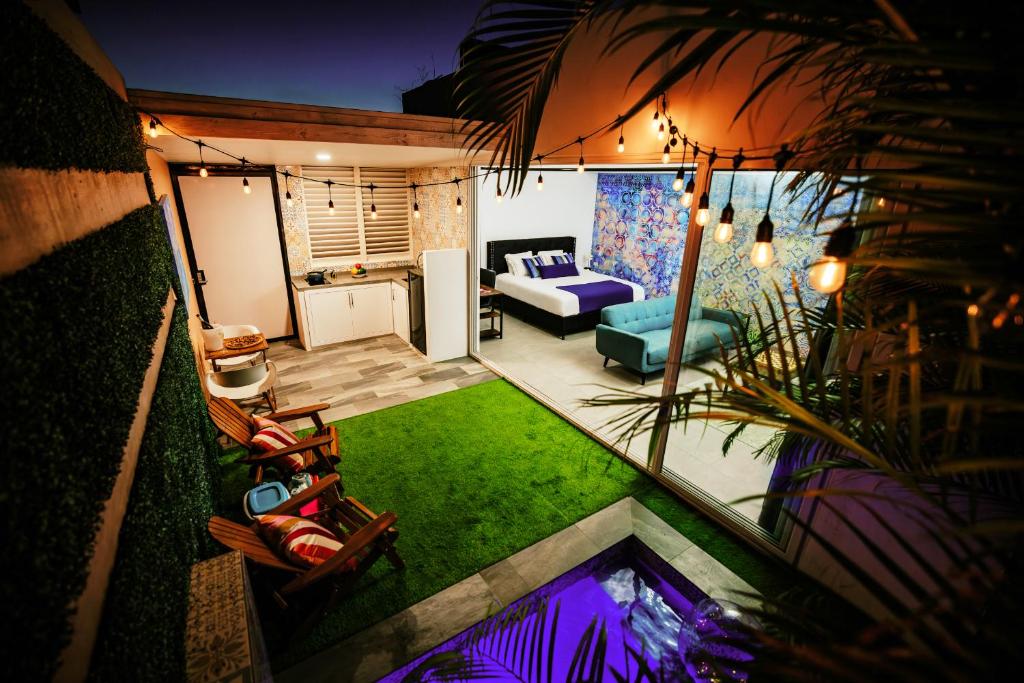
(544, 294)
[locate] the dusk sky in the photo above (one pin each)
(343, 53)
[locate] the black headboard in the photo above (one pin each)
(496, 250)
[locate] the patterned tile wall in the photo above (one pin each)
(439, 226)
(295, 225)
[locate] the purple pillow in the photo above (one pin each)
(558, 270)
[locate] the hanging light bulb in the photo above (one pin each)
(580, 167)
(152, 127)
(458, 205)
(665, 157)
(458, 197)
(680, 179)
(703, 204)
(655, 121)
(540, 182)
(622, 140)
(373, 205)
(691, 185)
(497, 195)
(415, 203)
(661, 131)
(287, 190)
(330, 197)
(723, 231)
(245, 186)
(202, 164)
(203, 172)
(762, 255)
(330, 207)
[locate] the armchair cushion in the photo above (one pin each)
(271, 436)
(298, 540)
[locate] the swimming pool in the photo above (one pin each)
(623, 613)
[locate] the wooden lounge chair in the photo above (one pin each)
(366, 537)
(320, 450)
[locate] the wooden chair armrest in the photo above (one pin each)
(292, 505)
(359, 506)
(356, 543)
(304, 445)
(296, 413)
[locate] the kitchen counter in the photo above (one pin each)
(343, 278)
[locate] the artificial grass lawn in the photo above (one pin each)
(476, 475)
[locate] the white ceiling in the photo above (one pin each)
(294, 152)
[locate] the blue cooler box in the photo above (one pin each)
(264, 498)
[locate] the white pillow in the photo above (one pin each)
(545, 256)
(515, 263)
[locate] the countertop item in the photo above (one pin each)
(343, 278)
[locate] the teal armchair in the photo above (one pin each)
(637, 334)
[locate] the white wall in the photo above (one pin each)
(565, 207)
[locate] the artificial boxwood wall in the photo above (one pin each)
(56, 112)
(142, 635)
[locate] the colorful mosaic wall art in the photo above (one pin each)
(639, 230)
(726, 279)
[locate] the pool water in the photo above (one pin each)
(652, 619)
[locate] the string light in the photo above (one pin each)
(703, 212)
(540, 174)
(287, 191)
(723, 232)
(373, 205)
(665, 154)
(497, 195)
(654, 121)
(415, 203)
(762, 255)
(677, 184)
(690, 185)
(458, 197)
(245, 181)
(622, 140)
(580, 168)
(828, 274)
(152, 127)
(202, 164)
(330, 197)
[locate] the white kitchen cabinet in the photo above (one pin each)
(329, 316)
(339, 314)
(400, 310)
(371, 310)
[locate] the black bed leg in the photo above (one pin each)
(606, 361)
(643, 378)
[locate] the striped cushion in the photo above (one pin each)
(298, 540)
(563, 258)
(270, 436)
(533, 265)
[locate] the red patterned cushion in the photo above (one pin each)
(270, 436)
(298, 540)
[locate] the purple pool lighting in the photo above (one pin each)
(655, 621)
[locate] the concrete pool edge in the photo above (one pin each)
(389, 644)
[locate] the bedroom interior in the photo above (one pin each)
(627, 226)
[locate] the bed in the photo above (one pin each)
(542, 302)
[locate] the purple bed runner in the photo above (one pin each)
(594, 296)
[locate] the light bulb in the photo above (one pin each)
(497, 196)
(373, 211)
(330, 207)
(761, 256)
(661, 131)
(827, 275)
(881, 202)
(723, 233)
(580, 168)
(203, 172)
(152, 128)
(415, 210)
(703, 214)
(540, 183)
(677, 184)
(245, 186)
(665, 155)
(458, 205)
(288, 199)
(622, 144)
(688, 195)
(654, 121)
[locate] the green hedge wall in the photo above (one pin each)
(55, 111)
(164, 532)
(78, 329)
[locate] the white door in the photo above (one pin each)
(371, 310)
(235, 239)
(400, 310)
(330, 316)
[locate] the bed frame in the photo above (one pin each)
(545, 320)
